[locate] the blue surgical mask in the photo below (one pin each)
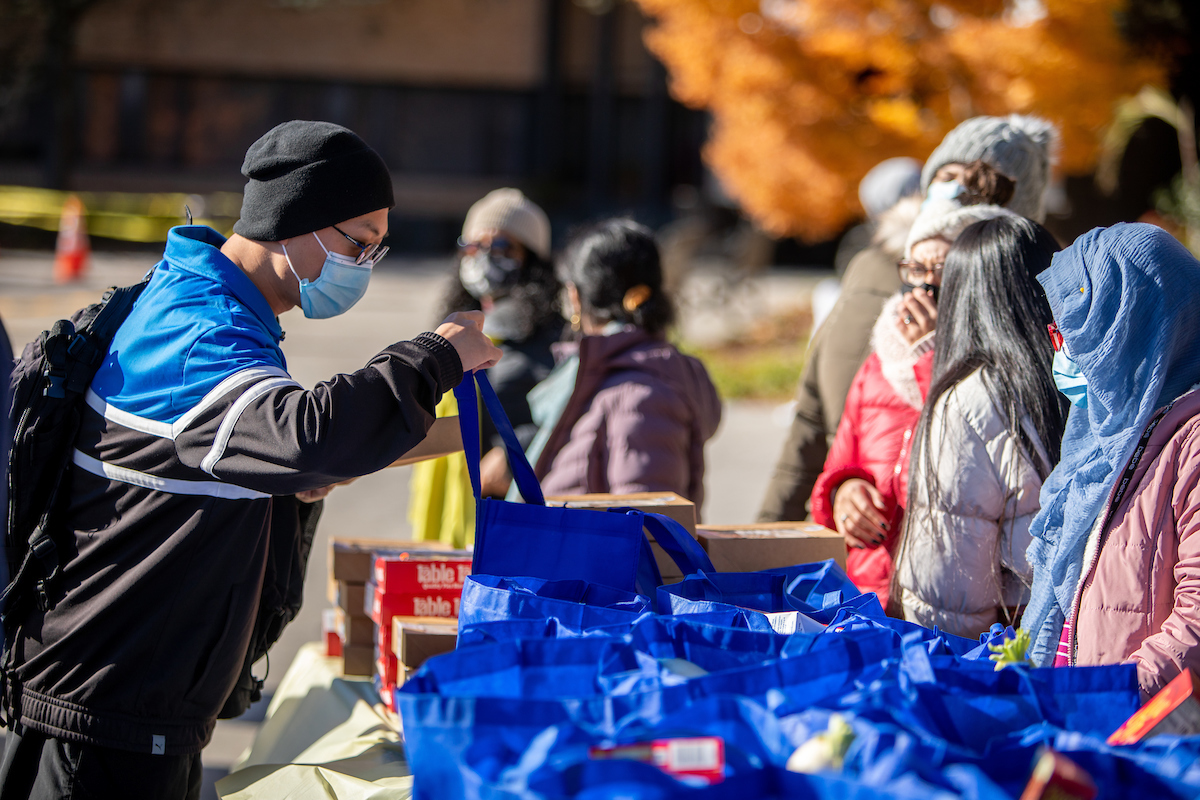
(1069, 379)
(341, 284)
(943, 190)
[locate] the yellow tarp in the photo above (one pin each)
(128, 216)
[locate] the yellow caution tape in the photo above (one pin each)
(128, 216)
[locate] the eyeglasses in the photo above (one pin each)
(499, 245)
(368, 254)
(1056, 338)
(914, 273)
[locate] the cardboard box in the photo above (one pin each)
(668, 504)
(350, 597)
(443, 438)
(351, 558)
(767, 545)
(1056, 777)
(359, 659)
(329, 632)
(354, 629)
(418, 573)
(1175, 709)
(387, 667)
(415, 641)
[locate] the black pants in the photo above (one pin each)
(40, 767)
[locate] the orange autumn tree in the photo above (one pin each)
(807, 95)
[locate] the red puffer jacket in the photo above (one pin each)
(872, 442)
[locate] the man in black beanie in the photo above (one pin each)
(197, 450)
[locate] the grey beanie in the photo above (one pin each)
(887, 183)
(1022, 148)
(947, 219)
(305, 176)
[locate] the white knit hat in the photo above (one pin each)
(947, 219)
(510, 211)
(1020, 147)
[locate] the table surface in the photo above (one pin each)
(325, 736)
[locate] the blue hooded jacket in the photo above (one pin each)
(1127, 302)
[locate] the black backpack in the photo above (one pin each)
(48, 383)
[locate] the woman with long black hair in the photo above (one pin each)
(988, 436)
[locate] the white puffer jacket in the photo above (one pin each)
(963, 557)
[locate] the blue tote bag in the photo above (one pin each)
(534, 540)
(575, 605)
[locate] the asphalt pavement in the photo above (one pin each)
(401, 302)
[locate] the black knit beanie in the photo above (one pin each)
(305, 176)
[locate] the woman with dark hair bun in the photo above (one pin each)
(988, 436)
(624, 411)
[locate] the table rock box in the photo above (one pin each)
(767, 545)
(668, 504)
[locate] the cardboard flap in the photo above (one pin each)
(444, 438)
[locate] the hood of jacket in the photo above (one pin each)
(1125, 301)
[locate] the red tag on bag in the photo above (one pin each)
(701, 758)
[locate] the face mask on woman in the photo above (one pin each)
(943, 190)
(485, 274)
(1069, 379)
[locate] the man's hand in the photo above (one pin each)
(313, 495)
(464, 331)
(858, 510)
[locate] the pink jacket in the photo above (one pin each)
(637, 421)
(1140, 594)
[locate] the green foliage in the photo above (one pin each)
(757, 373)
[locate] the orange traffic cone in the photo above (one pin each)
(73, 252)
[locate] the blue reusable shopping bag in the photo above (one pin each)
(818, 591)
(574, 604)
(471, 717)
(533, 540)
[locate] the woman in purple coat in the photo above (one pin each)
(624, 411)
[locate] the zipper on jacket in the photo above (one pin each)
(1085, 579)
(1123, 484)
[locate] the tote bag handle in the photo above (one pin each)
(468, 420)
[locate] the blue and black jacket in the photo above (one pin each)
(192, 428)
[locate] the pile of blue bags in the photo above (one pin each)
(577, 674)
(548, 671)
